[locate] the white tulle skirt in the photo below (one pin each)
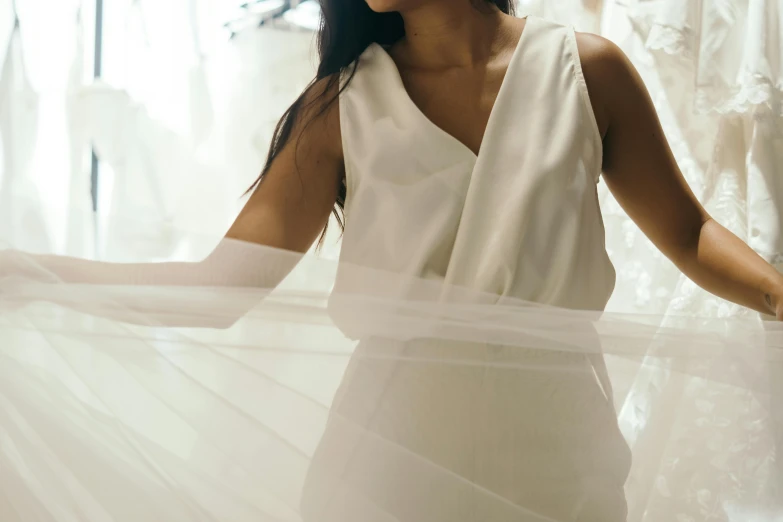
(401, 400)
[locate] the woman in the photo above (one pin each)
(464, 145)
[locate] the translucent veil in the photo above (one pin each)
(260, 393)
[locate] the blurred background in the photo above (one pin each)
(159, 113)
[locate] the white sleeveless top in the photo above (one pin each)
(521, 219)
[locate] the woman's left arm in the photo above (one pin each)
(640, 170)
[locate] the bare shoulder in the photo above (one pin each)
(318, 118)
(609, 74)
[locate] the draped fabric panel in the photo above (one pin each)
(402, 399)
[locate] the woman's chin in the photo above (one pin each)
(391, 6)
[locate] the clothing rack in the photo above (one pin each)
(292, 14)
(256, 14)
(97, 71)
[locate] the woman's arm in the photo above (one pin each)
(641, 172)
(287, 211)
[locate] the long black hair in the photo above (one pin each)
(347, 29)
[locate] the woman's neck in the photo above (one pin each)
(450, 33)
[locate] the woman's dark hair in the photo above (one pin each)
(347, 29)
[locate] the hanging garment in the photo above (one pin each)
(20, 206)
(735, 45)
(584, 15)
(701, 62)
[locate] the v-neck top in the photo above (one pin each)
(520, 219)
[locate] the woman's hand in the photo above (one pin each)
(775, 303)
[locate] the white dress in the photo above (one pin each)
(521, 220)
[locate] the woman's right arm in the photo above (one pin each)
(288, 211)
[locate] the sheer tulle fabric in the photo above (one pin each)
(393, 399)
